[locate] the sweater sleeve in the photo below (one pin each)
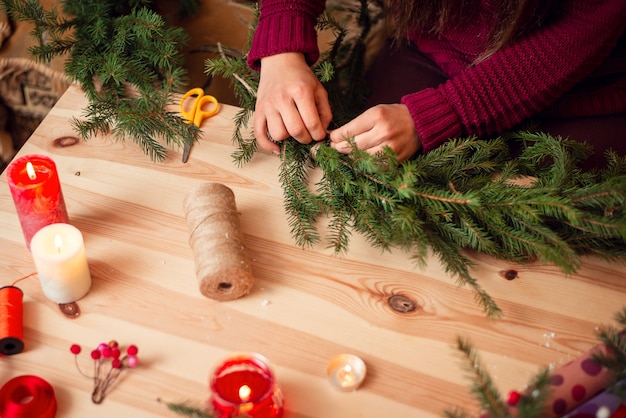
(522, 79)
(286, 26)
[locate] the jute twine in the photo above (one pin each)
(222, 263)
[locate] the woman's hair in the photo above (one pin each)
(514, 18)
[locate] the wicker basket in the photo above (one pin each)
(28, 90)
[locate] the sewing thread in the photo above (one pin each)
(27, 396)
(11, 320)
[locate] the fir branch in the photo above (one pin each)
(456, 264)
(614, 357)
(464, 195)
(246, 147)
(188, 409)
(457, 413)
(531, 405)
(534, 402)
(483, 387)
(301, 205)
(127, 60)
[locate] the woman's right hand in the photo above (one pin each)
(291, 101)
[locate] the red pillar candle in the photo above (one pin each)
(36, 191)
(243, 384)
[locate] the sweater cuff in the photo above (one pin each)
(278, 33)
(435, 120)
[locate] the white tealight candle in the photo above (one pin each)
(61, 262)
(346, 372)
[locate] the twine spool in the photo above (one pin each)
(27, 397)
(222, 263)
(11, 321)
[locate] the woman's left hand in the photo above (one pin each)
(382, 125)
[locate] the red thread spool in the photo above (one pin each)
(11, 322)
(27, 397)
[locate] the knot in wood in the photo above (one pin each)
(402, 304)
(66, 141)
(509, 274)
(70, 310)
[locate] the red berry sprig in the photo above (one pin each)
(514, 398)
(104, 353)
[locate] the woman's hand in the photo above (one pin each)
(291, 101)
(383, 125)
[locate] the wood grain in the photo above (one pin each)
(307, 305)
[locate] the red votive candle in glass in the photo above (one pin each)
(36, 191)
(243, 384)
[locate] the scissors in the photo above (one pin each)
(196, 115)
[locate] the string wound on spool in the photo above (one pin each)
(222, 264)
(11, 320)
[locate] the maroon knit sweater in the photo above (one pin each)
(573, 66)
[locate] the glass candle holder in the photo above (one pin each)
(243, 384)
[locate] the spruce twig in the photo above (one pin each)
(464, 195)
(188, 409)
(533, 403)
(614, 359)
(483, 387)
(193, 410)
(127, 60)
(492, 404)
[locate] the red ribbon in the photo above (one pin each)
(26, 397)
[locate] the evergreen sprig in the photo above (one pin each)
(126, 59)
(533, 402)
(195, 410)
(469, 195)
(489, 398)
(614, 357)
(189, 409)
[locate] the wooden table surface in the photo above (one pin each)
(307, 305)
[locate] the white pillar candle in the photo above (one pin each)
(61, 262)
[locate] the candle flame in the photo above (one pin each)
(30, 170)
(346, 375)
(244, 393)
(58, 242)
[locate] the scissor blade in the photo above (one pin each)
(186, 150)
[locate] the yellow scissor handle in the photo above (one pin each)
(202, 114)
(196, 114)
(188, 115)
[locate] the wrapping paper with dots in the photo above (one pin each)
(578, 390)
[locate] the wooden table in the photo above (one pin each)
(306, 305)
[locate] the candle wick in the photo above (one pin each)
(58, 243)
